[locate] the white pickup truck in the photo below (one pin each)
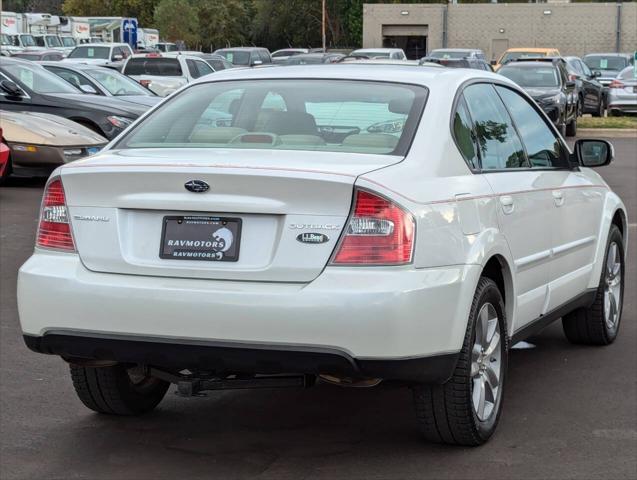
(164, 74)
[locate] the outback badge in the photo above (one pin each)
(312, 238)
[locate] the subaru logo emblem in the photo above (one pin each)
(197, 186)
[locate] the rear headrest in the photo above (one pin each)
(400, 105)
(291, 123)
(301, 140)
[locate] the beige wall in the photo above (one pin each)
(575, 29)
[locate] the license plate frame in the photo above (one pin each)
(182, 229)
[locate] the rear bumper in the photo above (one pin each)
(226, 359)
(354, 317)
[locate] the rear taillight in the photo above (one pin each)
(378, 232)
(616, 84)
(54, 230)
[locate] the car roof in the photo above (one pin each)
(239, 48)
(368, 71)
(611, 54)
(103, 44)
(38, 52)
(531, 49)
(528, 63)
(379, 49)
(387, 61)
(456, 50)
(72, 65)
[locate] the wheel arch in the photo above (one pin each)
(498, 269)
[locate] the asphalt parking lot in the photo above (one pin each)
(569, 411)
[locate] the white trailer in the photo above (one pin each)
(147, 37)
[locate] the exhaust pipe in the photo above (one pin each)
(349, 381)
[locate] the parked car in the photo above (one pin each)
(391, 53)
(607, 65)
(280, 56)
(468, 62)
(37, 55)
(546, 80)
(457, 53)
(313, 58)
(5, 169)
(40, 142)
(165, 74)
(590, 93)
(99, 53)
(622, 93)
(513, 54)
(27, 86)
(96, 80)
(25, 41)
(246, 56)
(419, 255)
(217, 62)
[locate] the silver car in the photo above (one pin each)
(622, 93)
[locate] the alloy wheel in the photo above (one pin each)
(612, 287)
(486, 363)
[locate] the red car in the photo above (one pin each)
(4, 158)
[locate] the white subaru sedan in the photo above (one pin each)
(352, 223)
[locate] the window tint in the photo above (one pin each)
(192, 68)
(265, 58)
(203, 68)
(73, 78)
(499, 144)
(36, 78)
(462, 132)
(542, 145)
(160, 66)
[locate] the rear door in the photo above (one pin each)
(525, 204)
(576, 207)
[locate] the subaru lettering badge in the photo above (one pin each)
(197, 186)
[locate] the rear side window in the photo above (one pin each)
(158, 66)
(203, 68)
(314, 115)
(499, 144)
(463, 134)
(542, 145)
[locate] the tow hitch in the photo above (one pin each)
(193, 385)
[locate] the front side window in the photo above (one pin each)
(70, 76)
(498, 142)
(203, 68)
(316, 115)
(27, 40)
(54, 41)
(542, 146)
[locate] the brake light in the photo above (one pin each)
(54, 230)
(616, 84)
(378, 232)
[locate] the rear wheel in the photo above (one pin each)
(6, 172)
(117, 390)
(599, 323)
(465, 410)
(600, 108)
(571, 127)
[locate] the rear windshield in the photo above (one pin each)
(447, 54)
(158, 66)
(90, 52)
(532, 76)
(236, 57)
(605, 62)
(317, 115)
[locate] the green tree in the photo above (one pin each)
(177, 20)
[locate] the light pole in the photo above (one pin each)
(323, 25)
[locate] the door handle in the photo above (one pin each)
(558, 198)
(507, 204)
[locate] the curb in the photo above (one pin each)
(608, 132)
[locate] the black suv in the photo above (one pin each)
(547, 80)
(590, 92)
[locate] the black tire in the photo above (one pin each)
(445, 412)
(600, 108)
(571, 127)
(111, 390)
(562, 129)
(588, 326)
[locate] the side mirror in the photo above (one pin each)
(11, 88)
(88, 89)
(256, 63)
(593, 153)
(597, 73)
(493, 63)
(117, 58)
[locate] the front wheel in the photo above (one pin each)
(599, 323)
(571, 127)
(117, 390)
(465, 410)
